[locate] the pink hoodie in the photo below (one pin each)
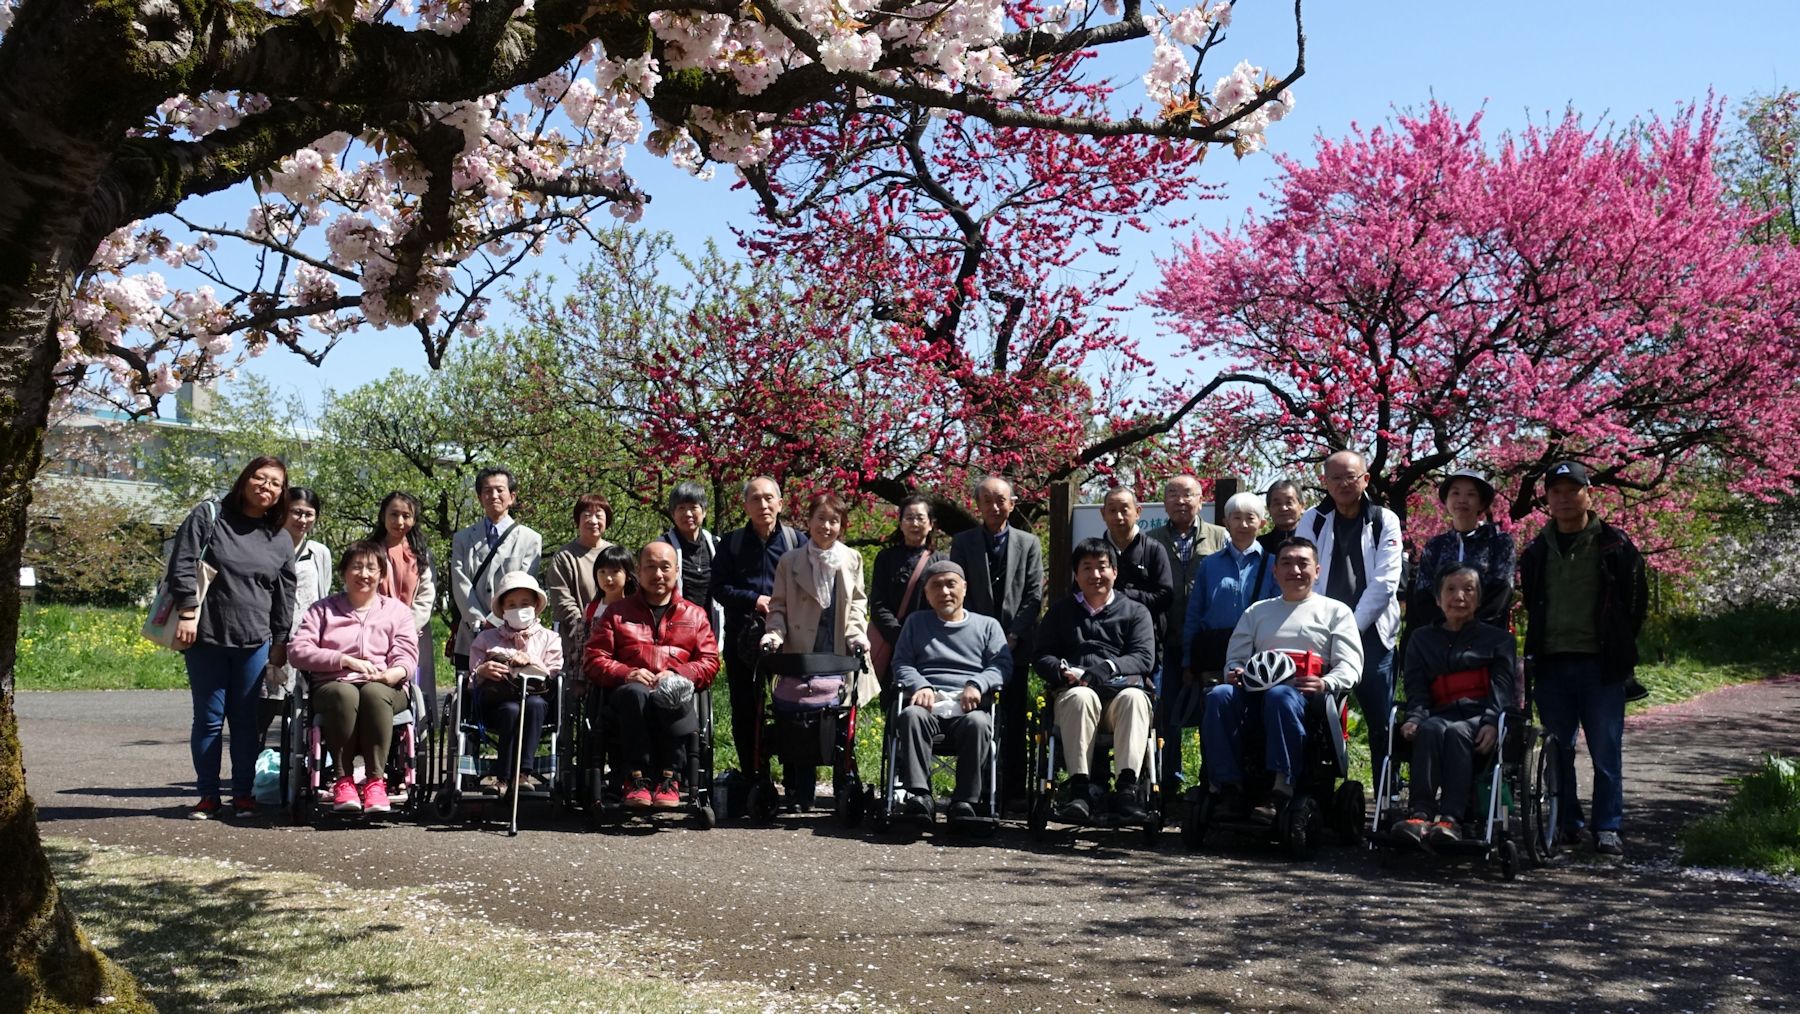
(331, 629)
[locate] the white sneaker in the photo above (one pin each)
(1608, 843)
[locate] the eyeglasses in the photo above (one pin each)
(1345, 480)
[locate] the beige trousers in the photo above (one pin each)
(1079, 718)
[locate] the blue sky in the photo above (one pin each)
(1523, 61)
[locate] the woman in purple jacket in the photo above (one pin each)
(359, 648)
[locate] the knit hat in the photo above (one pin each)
(944, 567)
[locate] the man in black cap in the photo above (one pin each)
(1585, 596)
(945, 662)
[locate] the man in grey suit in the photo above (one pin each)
(1005, 569)
(473, 575)
(1188, 540)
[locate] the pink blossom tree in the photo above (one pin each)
(1438, 301)
(939, 309)
(405, 156)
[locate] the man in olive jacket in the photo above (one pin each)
(1585, 596)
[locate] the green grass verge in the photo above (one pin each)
(203, 935)
(91, 648)
(1686, 656)
(1760, 827)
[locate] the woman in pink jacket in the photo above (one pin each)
(359, 648)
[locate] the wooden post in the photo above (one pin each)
(1224, 488)
(1062, 523)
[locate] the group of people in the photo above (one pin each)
(1157, 634)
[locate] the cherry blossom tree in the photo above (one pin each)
(935, 309)
(405, 155)
(1565, 292)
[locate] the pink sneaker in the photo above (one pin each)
(343, 796)
(375, 797)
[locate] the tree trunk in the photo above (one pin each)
(46, 962)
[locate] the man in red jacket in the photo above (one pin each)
(640, 653)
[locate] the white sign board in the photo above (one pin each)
(1086, 522)
(27, 577)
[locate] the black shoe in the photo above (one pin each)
(1125, 803)
(1230, 803)
(1414, 829)
(919, 804)
(1075, 811)
(1569, 837)
(961, 810)
(1443, 831)
(1635, 691)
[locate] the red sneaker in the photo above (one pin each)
(344, 798)
(206, 809)
(667, 795)
(375, 797)
(638, 796)
(243, 806)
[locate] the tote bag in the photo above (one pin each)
(160, 624)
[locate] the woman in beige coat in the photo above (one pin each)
(818, 606)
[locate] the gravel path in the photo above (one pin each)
(1099, 924)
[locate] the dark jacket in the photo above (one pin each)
(1433, 651)
(1022, 590)
(1619, 612)
(887, 585)
(1146, 576)
(251, 598)
(743, 569)
(1487, 549)
(1115, 646)
(628, 637)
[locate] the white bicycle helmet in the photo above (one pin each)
(1266, 669)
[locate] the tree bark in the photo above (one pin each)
(46, 961)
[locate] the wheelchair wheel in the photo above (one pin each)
(760, 808)
(447, 804)
(1039, 819)
(1509, 860)
(848, 799)
(1349, 811)
(1300, 824)
(705, 819)
(1541, 811)
(1196, 817)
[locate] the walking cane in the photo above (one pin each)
(525, 679)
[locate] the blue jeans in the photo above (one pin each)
(1569, 691)
(1375, 694)
(1280, 709)
(224, 682)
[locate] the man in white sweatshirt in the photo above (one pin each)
(1320, 634)
(1361, 554)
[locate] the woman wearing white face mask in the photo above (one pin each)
(515, 641)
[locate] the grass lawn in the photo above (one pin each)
(1686, 656)
(1759, 829)
(204, 935)
(88, 648)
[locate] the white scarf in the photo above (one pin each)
(825, 564)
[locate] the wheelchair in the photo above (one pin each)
(470, 756)
(824, 736)
(307, 763)
(599, 792)
(886, 802)
(1513, 797)
(1322, 799)
(1043, 791)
